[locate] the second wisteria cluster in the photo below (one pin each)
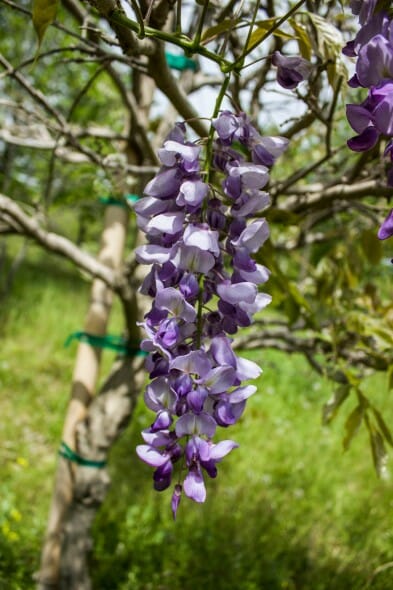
(198, 215)
(373, 118)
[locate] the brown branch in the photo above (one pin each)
(56, 243)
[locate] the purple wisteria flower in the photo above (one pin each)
(205, 286)
(373, 118)
(291, 70)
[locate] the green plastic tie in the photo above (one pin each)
(109, 341)
(119, 202)
(66, 452)
(180, 62)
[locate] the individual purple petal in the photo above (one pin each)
(290, 69)
(165, 184)
(167, 333)
(159, 395)
(150, 253)
(252, 176)
(190, 424)
(148, 206)
(172, 300)
(221, 449)
(202, 237)
(189, 286)
(386, 229)
(247, 369)
(219, 379)
(194, 259)
(168, 223)
(194, 486)
(358, 116)
(242, 393)
(160, 438)
(174, 150)
(375, 61)
(226, 124)
(249, 203)
(176, 497)
(239, 292)
(196, 399)
(163, 421)
(258, 276)
(192, 192)
(223, 414)
(162, 476)
(195, 362)
(221, 351)
(383, 115)
(364, 141)
(151, 456)
(253, 236)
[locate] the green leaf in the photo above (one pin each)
(332, 406)
(328, 43)
(262, 30)
(303, 39)
(212, 32)
(383, 426)
(352, 425)
(378, 450)
(44, 13)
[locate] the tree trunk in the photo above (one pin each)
(82, 392)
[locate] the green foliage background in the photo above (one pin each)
(290, 510)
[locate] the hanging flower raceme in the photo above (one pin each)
(373, 118)
(205, 285)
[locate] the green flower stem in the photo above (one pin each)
(198, 35)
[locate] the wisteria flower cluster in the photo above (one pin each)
(373, 118)
(204, 284)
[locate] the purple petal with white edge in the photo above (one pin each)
(172, 300)
(176, 497)
(195, 361)
(194, 259)
(251, 175)
(261, 301)
(220, 379)
(150, 253)
(257, 201)
(386, 229)
(258, 276)
(159, 395)
(224, 414)
(253, 236)
(221, 449)
(151, 456)
(190, 424)
(241, 393)
(276, 145)
(202, 237)
(194, 486)
(166, 223)
(162, 421)
(192, 192)
(221, 351)
(172, 149)
(247, 369)
(156, 439)
(239, 292)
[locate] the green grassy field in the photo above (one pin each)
(289, 510)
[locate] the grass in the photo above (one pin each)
(289, 510)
